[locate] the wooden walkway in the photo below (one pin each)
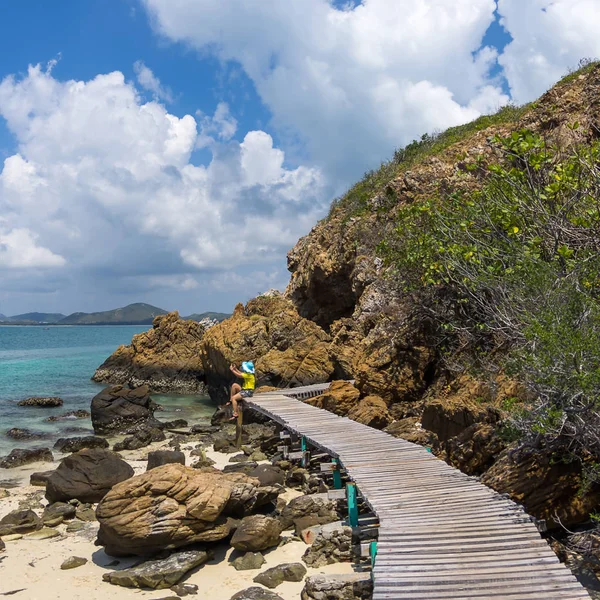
(442, 533)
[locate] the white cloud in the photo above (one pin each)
(222, 126)
(151, 83)
(352, 83)
(19, 250)
(104, 180)
(549, 37)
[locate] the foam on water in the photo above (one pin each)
(59, 361)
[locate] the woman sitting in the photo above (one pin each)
(246, 390)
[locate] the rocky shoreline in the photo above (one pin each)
(232, 523)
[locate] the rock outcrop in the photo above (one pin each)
(75, 444)
(275, 576)
(42, 402)
(287, 350)
(548, 485)
(332, 544)
(87, 476)
(173, 506)
(20, 457)
(356, 586)
(117, 409)
(167, 358)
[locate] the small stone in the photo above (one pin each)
(238, 458)
(19, 457)
(248, 561)
(85, 513)
(256, 532)
(4, 493)
(275, 576)
(258, 456)
(75, 526)
(73, 562)
(185, 589)
(45, 533)
(13, 537)
(54, 514)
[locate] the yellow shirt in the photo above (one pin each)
(249, 381)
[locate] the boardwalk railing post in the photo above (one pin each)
(352, 504)
(373, 554)
(337, 476)
(305, 453)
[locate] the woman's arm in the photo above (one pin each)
(236, 371)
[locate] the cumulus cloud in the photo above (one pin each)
(104, 183)
(19, 250)
(151, 83)
(549, 37)
(355, 82)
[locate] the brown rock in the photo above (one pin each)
(312, 506)
(74, 444)
(340, 398)
(545, 484)
(371, 411)
(410, 429)
(287, 349)
(87, 475)
(256, 533)
(167, 358)
(173, 506)
(164, 457)
(475, 449)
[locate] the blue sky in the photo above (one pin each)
(226, 128)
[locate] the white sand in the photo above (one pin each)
(34, 566)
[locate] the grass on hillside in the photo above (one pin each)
(356, 200)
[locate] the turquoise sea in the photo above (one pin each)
(59, 361)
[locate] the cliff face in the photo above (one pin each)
(167, 358)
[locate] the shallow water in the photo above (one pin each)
(59, 361)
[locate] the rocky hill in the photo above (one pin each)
(133, 314)
(34, 317)
(374, 296)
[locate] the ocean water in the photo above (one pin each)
(59, 361)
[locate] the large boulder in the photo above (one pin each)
(410, 429)
(173, 506)
(87, 476)
(167, 358)
(546, 484)
(340, 398)
(116, 409)
(371, 411)
(75, 444)
(255, 533)
(42, 402)
(20, 457)
(159, 574)
(312, 505)
(287, 349)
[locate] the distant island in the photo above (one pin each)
(132, 314)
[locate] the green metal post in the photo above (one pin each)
(352, 504)
(337, 476)
(373, 554)
(303, 444)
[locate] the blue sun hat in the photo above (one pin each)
(248, 367)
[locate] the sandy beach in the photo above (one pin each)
(33, 566)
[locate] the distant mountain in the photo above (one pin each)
(34, 317)
(217, 316)
(2, 317)
(133, 314)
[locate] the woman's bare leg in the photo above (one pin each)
(234, 402)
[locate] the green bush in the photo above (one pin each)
(516, 267)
